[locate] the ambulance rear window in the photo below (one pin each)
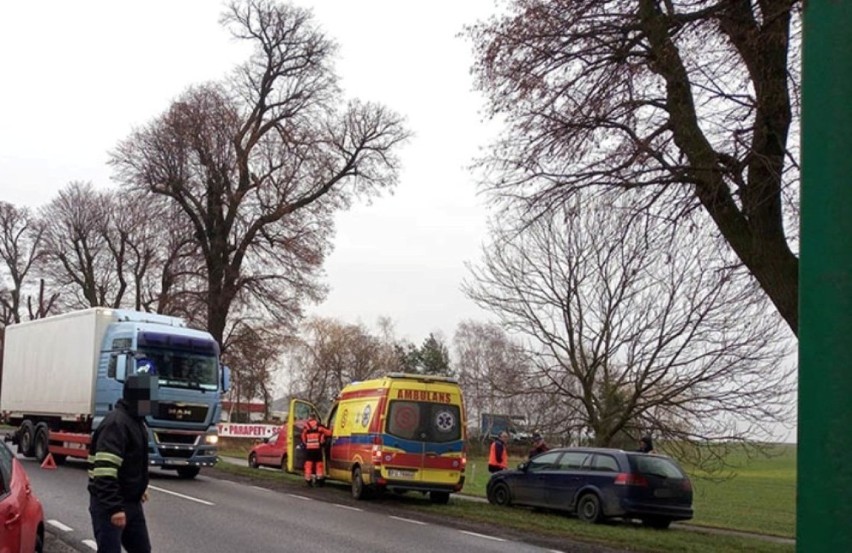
(424, 421)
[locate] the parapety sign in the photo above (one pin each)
(233, 430)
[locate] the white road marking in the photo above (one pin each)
(421, 523)
(300, 497)
(189, 497)
(350, 507)
(481, 535)
(262, 489)
(57, 524)
(92, 544)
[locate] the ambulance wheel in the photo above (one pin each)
(41, 442)
(188, 473)
(359, 490)
(441, 498)
(26, 438)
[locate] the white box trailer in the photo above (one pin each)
(50, 365)
(63, 374)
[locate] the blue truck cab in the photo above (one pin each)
(182, 432)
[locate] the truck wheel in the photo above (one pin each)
(41, 443)
(26, 438)
(188, 473)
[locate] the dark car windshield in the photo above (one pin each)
(656, 466)
(424, 421)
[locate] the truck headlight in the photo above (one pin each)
(212, 439)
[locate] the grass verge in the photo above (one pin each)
(520, 522)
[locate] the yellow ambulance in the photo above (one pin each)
(400, 432)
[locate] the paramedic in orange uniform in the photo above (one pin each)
(498, 457)
(313, 436)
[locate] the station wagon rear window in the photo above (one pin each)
(656, 466)
(424, 421)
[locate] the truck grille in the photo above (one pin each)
(184, 412)
(175, 438)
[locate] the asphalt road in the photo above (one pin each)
(213, 515)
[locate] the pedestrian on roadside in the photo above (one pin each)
(646, 444)
(313, 436)
(538, 446)
(118, 470)
(498, 457)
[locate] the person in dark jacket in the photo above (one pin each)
(538, 446)
(118, 470)
(646, 444)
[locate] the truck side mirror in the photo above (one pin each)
(226, 378)
(121, 366)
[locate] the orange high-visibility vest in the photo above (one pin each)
(492, 456)
(313, 435)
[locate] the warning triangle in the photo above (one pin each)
(48, 462)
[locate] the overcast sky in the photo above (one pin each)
(78, 76)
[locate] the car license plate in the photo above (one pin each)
(398, 473)
(664, 492)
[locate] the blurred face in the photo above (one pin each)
(503, 436)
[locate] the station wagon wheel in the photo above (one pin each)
(358, 491)
(252, 461)
(500, 495)
(589, 508)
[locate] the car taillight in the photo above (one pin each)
(686, 485)
(630, 479)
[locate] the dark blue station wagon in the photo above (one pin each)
(598, 483)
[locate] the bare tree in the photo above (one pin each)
(638, 328)
(259, 163)
(498, 377)
(82, 253)
(255, 357)
(330, 354)
(20, 251)
(694, 101)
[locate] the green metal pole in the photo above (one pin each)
(824, 504)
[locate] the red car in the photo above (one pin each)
(272, 452)
(22, 528)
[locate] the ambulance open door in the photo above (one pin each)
(298, 414)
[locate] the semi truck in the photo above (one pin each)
(62, 374)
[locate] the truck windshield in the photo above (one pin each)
(181, 369)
